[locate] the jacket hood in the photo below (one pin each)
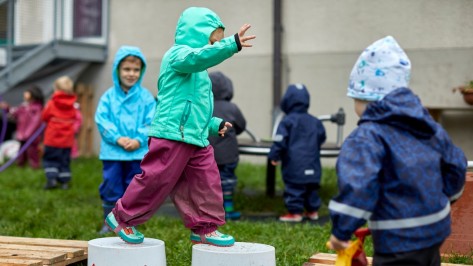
(64, 101)
(222, 86)
(403, 110)
(296, 99)
(123, 52)
(381, 68)
(195, 26)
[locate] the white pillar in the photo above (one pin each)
(240, 254)
(114, 251)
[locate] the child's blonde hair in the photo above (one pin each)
(64, 84)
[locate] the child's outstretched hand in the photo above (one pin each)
(244, 39)
(222, 131)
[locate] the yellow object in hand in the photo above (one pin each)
(345, 256)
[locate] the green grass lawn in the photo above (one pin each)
(29, 211)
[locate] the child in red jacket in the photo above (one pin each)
(60, 116)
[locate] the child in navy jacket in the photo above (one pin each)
(226, 147)
(297, 144)
(398, 170)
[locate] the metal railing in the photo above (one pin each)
(29, 25)
(259, 147)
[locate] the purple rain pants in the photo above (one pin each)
(185, 172)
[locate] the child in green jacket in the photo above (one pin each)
(180, 162)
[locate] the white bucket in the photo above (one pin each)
(114, 251)
(240, 254)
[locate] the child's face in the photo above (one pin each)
(360, 107)
(216, 36)
(26, 96)
(129, 72)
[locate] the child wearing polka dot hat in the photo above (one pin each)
(380, 69)
(398, 171)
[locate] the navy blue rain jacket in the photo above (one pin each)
(298, 139)
(398, 170)
(226, 147)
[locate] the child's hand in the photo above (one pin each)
(123, 141)
(243, 38)
(132, 145)
(222, 131)
(274, 163)
(337, 244)
(4, 105)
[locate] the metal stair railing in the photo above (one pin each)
(43, 54)
(57, 38)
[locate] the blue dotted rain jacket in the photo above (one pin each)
(398, 171)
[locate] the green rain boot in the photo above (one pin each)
(230, 213)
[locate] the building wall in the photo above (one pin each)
(321, 41)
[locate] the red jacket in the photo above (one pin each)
(60, 116)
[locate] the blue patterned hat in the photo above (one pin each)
(380, 69)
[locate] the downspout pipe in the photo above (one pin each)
(277, 54)
(277, 83)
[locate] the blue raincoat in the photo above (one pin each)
(398, 170)
(119, 114)
(298, 139)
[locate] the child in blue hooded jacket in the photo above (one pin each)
(180, 162)
(297, 144)
(398, 170)
(123, 116)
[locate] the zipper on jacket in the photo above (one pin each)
(185, 117)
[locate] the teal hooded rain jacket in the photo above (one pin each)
(185, 100)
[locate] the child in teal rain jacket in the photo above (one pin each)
(123, 116)
(180, 162)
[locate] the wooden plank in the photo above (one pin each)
(451, 264)
(45, 242)
(47, 257)
(70, 252)
(329, 259)
(319, 259)
(20, 262)
(314, 264)
(76, 259)
(323, 258)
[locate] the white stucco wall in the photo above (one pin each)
(321, 41)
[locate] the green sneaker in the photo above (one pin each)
(215, 238)
(128, 234)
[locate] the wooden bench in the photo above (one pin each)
(324, 259)
(16, 251)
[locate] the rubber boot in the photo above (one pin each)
(230, 213)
